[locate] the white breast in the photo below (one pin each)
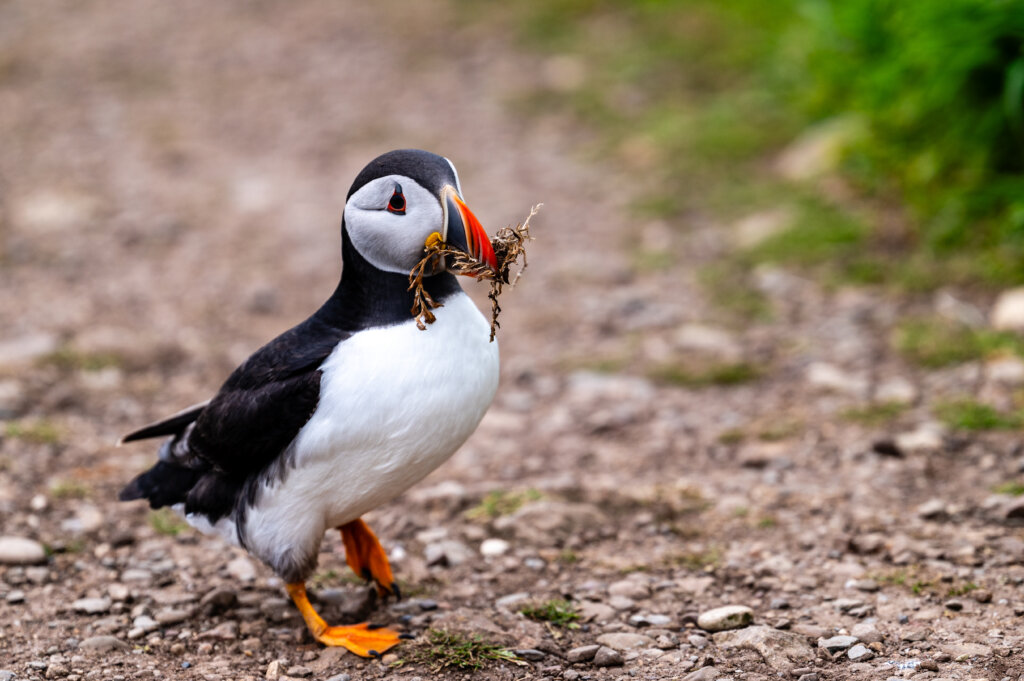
(395, 403)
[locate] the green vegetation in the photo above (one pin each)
(704, 559)
(714, 374)
(40, 432)
(971, 415)
(167, 522)
(962, 589)
(501, 502)
(1013, 488)
(559, 613)
(924, 102)
(68, 358)
(934, 343)
(875, 414)
(445, 649)
(69, 489)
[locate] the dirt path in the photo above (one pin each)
(172, 178)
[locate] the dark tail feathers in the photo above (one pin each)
(165, 484)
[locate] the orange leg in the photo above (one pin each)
(361, 639)
(366, 556)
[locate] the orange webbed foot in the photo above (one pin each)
(363, 639)
(367, 558)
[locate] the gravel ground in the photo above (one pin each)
(172, 178)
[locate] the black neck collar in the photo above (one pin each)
(367, 297)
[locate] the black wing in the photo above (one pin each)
(249, 423)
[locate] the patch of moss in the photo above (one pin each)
(697, 560)
(449, 650)
(68, 358)
(501, 502)
(716, 374)
(1014, 488)
(559, 613)
(40, 432)
(69, 489)
(972, 415)
(167, 522)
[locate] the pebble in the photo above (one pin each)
(103, 644)
(810, 676)
(955, 606)
(726, 617)
(242, 569)
(1008, 312)
(300, 671)
(490, 548)
(591, 611)
(146, 623)
(697, 641)
(607, 657)
(702, 674)
(931, 509)
(629, 588)
(447, 552)
(650, 620)
(274, 669)
(868, 585)
(217, 601)
(118, 592)
(582, 654)
(92, 606)
(836, 643)
(625, 641)
(866, 633)
(6, 675)
(21, 551)
(225, 631)
(982, 596)
(860, 653)
(16, 596)
(341, 677)
(171, 616)
(530, 654)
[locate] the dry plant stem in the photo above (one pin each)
(508, 244)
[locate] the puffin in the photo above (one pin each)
(348, 409)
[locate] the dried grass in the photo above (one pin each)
(508, 243)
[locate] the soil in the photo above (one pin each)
(172, 181)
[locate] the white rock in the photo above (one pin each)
(896, 390)
(494, 547)
(91, 606)
(701, 338)
(1008, 312)
(927, 437)
(625, 641)
(831, 378)
(781, 650)
(726, 617)
(1006, 370)
(26, 349)
(21, 551)
(242, 569)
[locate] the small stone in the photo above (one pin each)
(218, 600)
(836, 643)
(629, 588)
(118, 592)
(447, 552)
(955, 606)
(103, 644)
(570, 675)
(668, 641)
(625, 641)
(92, 606)
(171, 616)
(530, 654)
(847, 604)
(146, 623)
(860, 653)
(510, 601)
(779, 604)
(21, 551)
(275, 669)
(781, 650)
(606, 657)
(931, 509)
(927, 437)
(830, 378)
(810, 676)
(1008, 312)
(582, 654)
(6, 675)
(591, 611)
(493, 547)
(915, 636)
(929, 665)
(16, 596)
(866, 633)
(242, 569)
(650, 620)
(697, 641)
(341, 677)
(726, 617)
(702, 674)
(225, 631)
(982, 596)
(300, 671)
(427, 605)
(868, 585)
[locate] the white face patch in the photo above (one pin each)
(389, 241)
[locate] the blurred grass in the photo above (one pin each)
(698, 97)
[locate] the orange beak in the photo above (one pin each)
(464, 232)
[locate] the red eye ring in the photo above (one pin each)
(397, 203)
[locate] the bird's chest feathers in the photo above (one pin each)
(395, 403)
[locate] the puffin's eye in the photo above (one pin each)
(397, 203)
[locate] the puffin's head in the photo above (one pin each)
(404, 199)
